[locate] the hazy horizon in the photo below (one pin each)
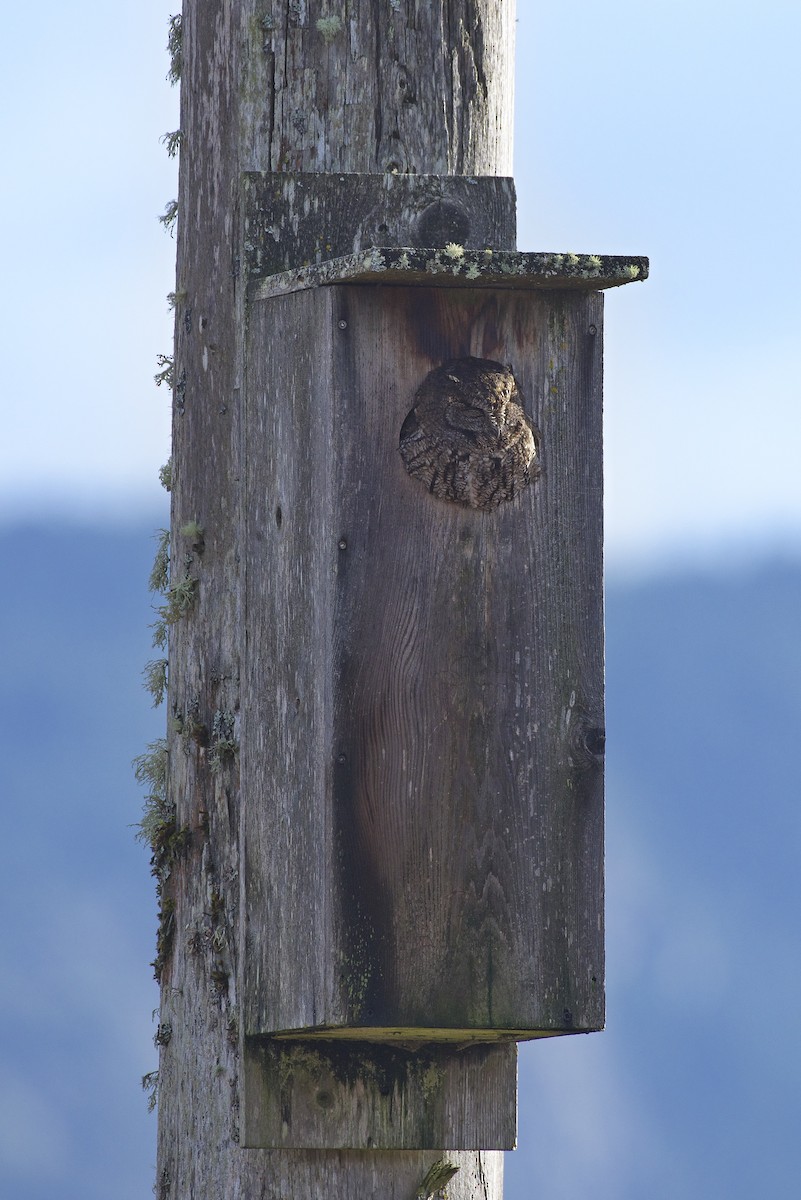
(692, 1089)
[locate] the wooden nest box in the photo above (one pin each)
(423, 724)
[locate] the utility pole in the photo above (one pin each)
(384, 862)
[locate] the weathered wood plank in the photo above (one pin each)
(392, 87)
(262, 90)
(290, 871)
(293, 220)
(357, 1095)
(456, 267)
(424, 797)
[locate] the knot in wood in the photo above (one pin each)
(441, 222)
(467, 437)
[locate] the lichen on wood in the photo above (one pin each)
(170, 215)
(405, 88)
(166, 371)
(295, 218)
(175, 48)
(172, 142)
(165, 475)
(159, 828)
(224, 743)
(159, 577)
(437, 1176)
(180, 599)
(155, 677)
(329, 27)
(405, 266)
(193, 531)
(150, 1084)
(261, 91)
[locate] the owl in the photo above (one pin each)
(467, 437)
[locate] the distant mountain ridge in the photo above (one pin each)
(693, 1089)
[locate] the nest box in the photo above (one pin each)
(422, 697)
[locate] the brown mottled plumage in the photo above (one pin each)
(467, 437)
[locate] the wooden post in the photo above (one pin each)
(283, 87)
(385, 680)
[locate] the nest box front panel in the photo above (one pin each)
(423, 729)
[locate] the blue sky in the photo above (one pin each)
(667, 129)
(670, 129)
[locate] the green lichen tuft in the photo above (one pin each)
(166, 372)
(175, 48)
(158, 817)
(181, 597)
(170, 216)
(328, 27)
(165, 475)
(172, 142)
(150, 1084)
(150, 768)
(163, 1034)
(454, 251)
(193, 530)
(219, 978)
(435, 1180)
(159, 576)
(189, 725)
(165, 934)
(175, 298)
(155, 677)
(159, 628)
(432, 1081)
(224, 745)
(158, 827)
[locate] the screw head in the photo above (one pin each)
(343, 324)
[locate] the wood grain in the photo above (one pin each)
(423, 730)
(407, 266)
(292, 220)
(362, 1095)
(406, 88)
(250, 102)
